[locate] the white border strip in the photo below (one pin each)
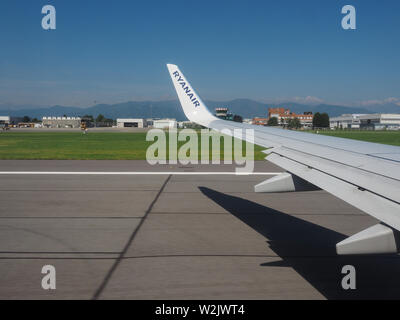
(135, 173)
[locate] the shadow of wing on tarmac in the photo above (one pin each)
(310, 250)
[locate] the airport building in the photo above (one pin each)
(29, 125)
(223, 113)
(150, 122)
(380, 121)
(61, 122)
(131, 123)
(165, 124)
(284, 115)
(260, 121)
(187, 124)
(4, 120)
(345, 121)
(377, 121)
(248, 121)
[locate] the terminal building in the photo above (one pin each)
(377, 121)
(131, 123)
(61, 122)
(345, 121)
(380, 121)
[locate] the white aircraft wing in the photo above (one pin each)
(364, 174)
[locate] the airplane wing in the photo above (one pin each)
(364, 174)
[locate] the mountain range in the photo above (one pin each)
(246, 108)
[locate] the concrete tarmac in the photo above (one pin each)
(176, 236)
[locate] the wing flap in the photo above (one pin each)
(382, 209)
(383, 186)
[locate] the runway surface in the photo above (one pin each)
(176, 236)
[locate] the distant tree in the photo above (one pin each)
(294, 123)
(316, 121)
(35, 120)
(100, 118)
(237, 118)
(324, 120)
(26, 119)
(273, 121)
(320, 120)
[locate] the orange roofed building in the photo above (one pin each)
(284, 115)
(260, 121)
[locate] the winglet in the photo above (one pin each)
(193, 107)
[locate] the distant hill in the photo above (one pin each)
(131, 109)
(384, 108)
(171, 109)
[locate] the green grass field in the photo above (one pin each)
(385, 137)
(123, 145)
(77, 146)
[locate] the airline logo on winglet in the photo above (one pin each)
(186, 88)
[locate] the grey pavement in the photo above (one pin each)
(176, 237)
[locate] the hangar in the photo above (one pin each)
(4, 119)
(4, 122)
(131, 123)
(380, 121)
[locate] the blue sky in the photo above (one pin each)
(115, 51)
